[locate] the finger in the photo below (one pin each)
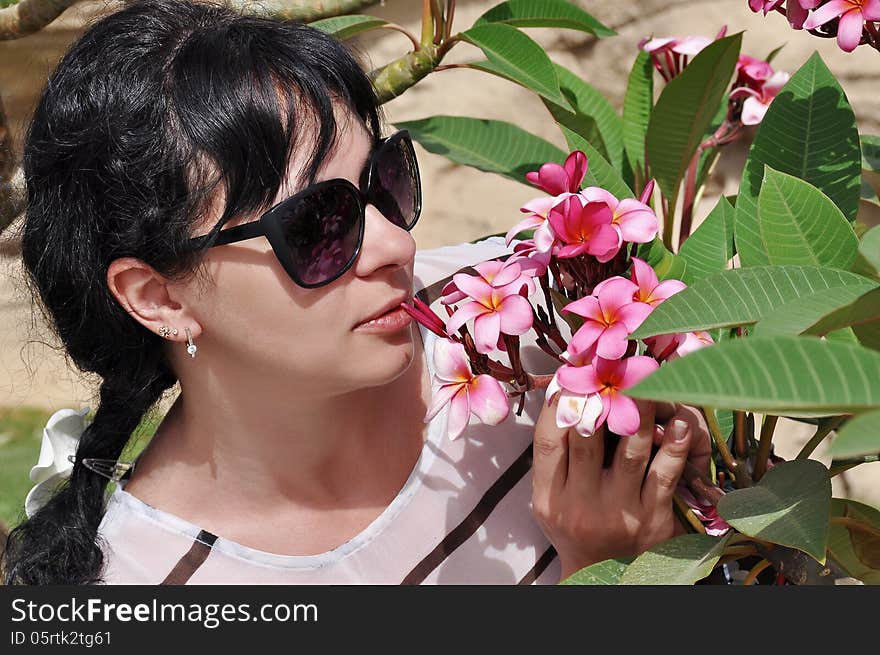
(664, 411)
(632, 456)
(667, 466)
(549, 456)
(701, 441)
(585, 455)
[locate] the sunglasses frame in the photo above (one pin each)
(270, 226)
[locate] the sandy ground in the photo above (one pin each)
(459, 204)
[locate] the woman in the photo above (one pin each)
(210, 202)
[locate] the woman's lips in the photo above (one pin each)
(390, 321)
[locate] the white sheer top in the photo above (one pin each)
(462, 517)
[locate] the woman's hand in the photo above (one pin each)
(590, 514)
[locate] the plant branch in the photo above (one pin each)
(405, 32)
(767, 427)
(450, 12)
(755, 571)
(688, 514)
(854, 524)
(304, 10)
(427, 23)
(839, 466)
(740, 475)
(823, 431)
(29, 16)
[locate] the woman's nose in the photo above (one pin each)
(385, 244)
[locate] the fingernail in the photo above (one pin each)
(679, 430)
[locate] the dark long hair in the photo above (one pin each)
(144, 117)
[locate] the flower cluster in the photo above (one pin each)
(852, 21)
(756, 85)
(579, 246)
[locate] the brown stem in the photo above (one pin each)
(854, 524)
(690, 193)
(688, 514)
(29, 16)
(405, 32)
(821, 432)
(766, 443)
(740, 475)
(739, 433)
(756, 570)
(305, 10)
(450, 12)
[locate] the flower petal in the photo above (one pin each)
(487, 327)
(633, 315)
(576, 168)
(475, 287)
(753, 111)
(516, 315)
(451, 361)
(579, 379)
(586, 336)
(666, 289)
(442, 397)
(463, 314)
(617, 292)
(849, 31)
(459, 415)
(590, 416)
(613, 342)
(488, 400)
(825, 13)
(623, 414)
(638, 223)
(569, 409)
(634, 369)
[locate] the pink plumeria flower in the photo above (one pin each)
(575, 410)
(666, 347)
(650, 290)
(752, 72)
(559, 181)
(795, 10)
(424, 315)
(584, 227)
(705, 511)
(533, 261)
(464, 392)
(606, 378)
(758, 101)
(852, 15)
(634, 221)
(556, 179)
(494, 273)
(498, 306)
(609, 318)
(669, 54)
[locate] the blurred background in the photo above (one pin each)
(460, 204)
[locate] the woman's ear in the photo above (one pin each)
(148, 296)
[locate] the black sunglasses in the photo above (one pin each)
(317, 233)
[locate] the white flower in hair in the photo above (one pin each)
(60, 439)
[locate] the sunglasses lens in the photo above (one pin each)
(394, 186)
(322, 233)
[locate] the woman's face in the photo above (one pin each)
(255, 318)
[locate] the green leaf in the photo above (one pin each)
(666, 264)
(790, 376)
(544, 13)
(516, 56)
(709, 249)
(637, 104)
(488, 145)
(769, 58)
(819, 313)
(594, 117)
(345, 27)
(739, 297)
(599, 172)
(861, 312)
(809, 131)
(789, 506)
(682, 560)
(798, 224)
(860, 436)
(685, 110)
(606, 572)
(844, 544)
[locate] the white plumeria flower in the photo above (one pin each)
(60, 439)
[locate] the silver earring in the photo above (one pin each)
(191, 348)
(164, 331)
